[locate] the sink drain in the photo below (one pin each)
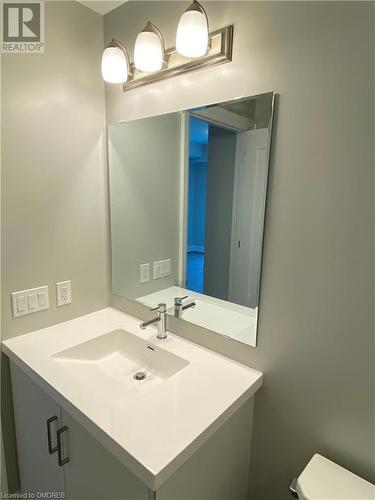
(139, 376)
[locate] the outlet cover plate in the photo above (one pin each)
(144, 271)
(64, 293)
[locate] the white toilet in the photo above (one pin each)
(325, 480)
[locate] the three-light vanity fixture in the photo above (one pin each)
(196, 48)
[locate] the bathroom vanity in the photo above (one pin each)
(104, 409)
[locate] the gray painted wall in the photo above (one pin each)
(54, 176)
(316, 330)
(54, 223)
(144, 169)
(220, 181)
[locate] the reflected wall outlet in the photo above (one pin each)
(144, 273)
(30, 301)
(63, 293)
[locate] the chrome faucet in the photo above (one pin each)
(161, 320)
(179, 306)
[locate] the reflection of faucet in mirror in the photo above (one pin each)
(161, 319)
(179, 307)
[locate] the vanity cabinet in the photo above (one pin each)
(91, 471)
(218, 469)
(34, 411)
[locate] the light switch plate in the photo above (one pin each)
(167, 267)
(64, 293)
(158, 270)
(30, 301)
(162, 268)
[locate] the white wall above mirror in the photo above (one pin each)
(188, 195)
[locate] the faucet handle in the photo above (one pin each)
(178, 300)
(160, 307)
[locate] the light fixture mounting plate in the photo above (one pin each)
(220, 46)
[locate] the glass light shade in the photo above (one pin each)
(148, 52)
(115, 67)
(192, 34)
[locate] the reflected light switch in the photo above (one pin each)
(162, 268)
(21, 303)
(42, 296)
(167, 267)
(32, 300)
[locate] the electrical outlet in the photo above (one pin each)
(63, 293)
(144, 272)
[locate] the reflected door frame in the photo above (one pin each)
(246, 247)
(183, 196)
(264, 150)
(218, 121)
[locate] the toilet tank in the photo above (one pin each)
(325, 480)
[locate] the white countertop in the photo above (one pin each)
(151, 433)
(223, 317)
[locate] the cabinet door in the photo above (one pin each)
(39, 470)
(92, 471)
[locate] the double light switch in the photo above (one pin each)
(162, 268)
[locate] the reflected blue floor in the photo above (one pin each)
(195, 271)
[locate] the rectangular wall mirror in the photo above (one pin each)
(188, 196)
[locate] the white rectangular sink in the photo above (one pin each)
(118, 362)
(152, 425)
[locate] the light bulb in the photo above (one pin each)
(192, 32)
(115, 66)
(149, 49)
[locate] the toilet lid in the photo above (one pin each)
(325, 480)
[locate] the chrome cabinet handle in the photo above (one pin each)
(60, 432)
(51, 449)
